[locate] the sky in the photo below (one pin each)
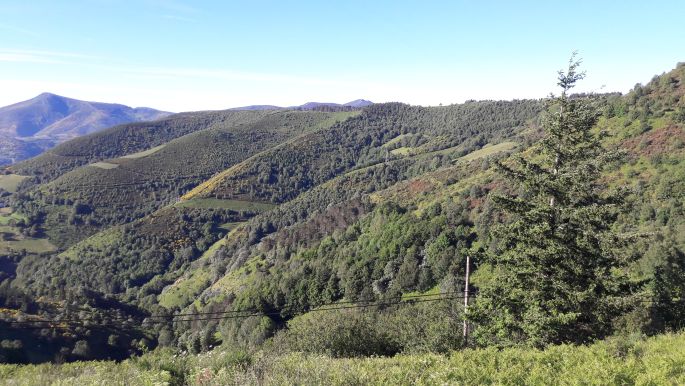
(179, 55)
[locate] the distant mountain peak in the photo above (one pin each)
(49, 119)
(359, 103)
(355, 104)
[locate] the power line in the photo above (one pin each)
(172, 316)
(236, 314)
(69, 325)
(324, 309)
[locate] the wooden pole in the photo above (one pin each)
(466, 297)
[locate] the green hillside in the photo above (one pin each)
(125, 139)
(248, 226)
(411, 233)
(368, 139)
(123, 189)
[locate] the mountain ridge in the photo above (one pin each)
(29, 127)
(355, 104)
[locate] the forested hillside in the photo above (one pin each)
(126, 139)
(251, 228)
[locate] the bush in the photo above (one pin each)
(339, 333)
(409, 328)
(424, 327)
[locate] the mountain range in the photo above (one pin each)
(269, 214)
(355, 104)
(30, 127)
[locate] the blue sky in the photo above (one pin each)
(182, 55)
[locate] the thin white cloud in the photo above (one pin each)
(47, 55)
(58, 57)
(21, 31)
(28, 58)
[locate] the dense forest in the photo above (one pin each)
(347, 233)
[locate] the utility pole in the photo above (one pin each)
(466, 298)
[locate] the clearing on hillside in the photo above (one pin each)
(144, 153)
(10, 182)
(487, 150)
(13, 241)
(401, 151)
(7, 215)
(104, 165)
(226, 204)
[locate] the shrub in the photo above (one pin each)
(339, 333)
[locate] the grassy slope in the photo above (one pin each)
(10, 182)
(29, 244)
(488, 150)
(655, 361)
(225, 204)
(185, 288)
(13, 241)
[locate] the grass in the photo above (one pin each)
(433, 291)
(229, 226)
(83, 373)
(186, 288)
(618, 361)
(6, 215)
(237, 278)
(397, 139)
(336, 117)
(31, 245)
(96, 241)
(18, 242)
(10, 182)
(104, 165)
(144, 153)
(488, 150)
(236, 205)
(401, 151)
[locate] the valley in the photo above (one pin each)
(258, 230)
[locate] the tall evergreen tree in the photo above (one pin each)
(557, 273)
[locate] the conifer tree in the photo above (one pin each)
(556, 273)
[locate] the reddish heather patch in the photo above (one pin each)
(419, 186)
(493, 185)
(654, 142)
(476, 202)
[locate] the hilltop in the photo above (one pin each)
(328, 106)
(30, 127)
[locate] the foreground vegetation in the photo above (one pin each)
(618, 361)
